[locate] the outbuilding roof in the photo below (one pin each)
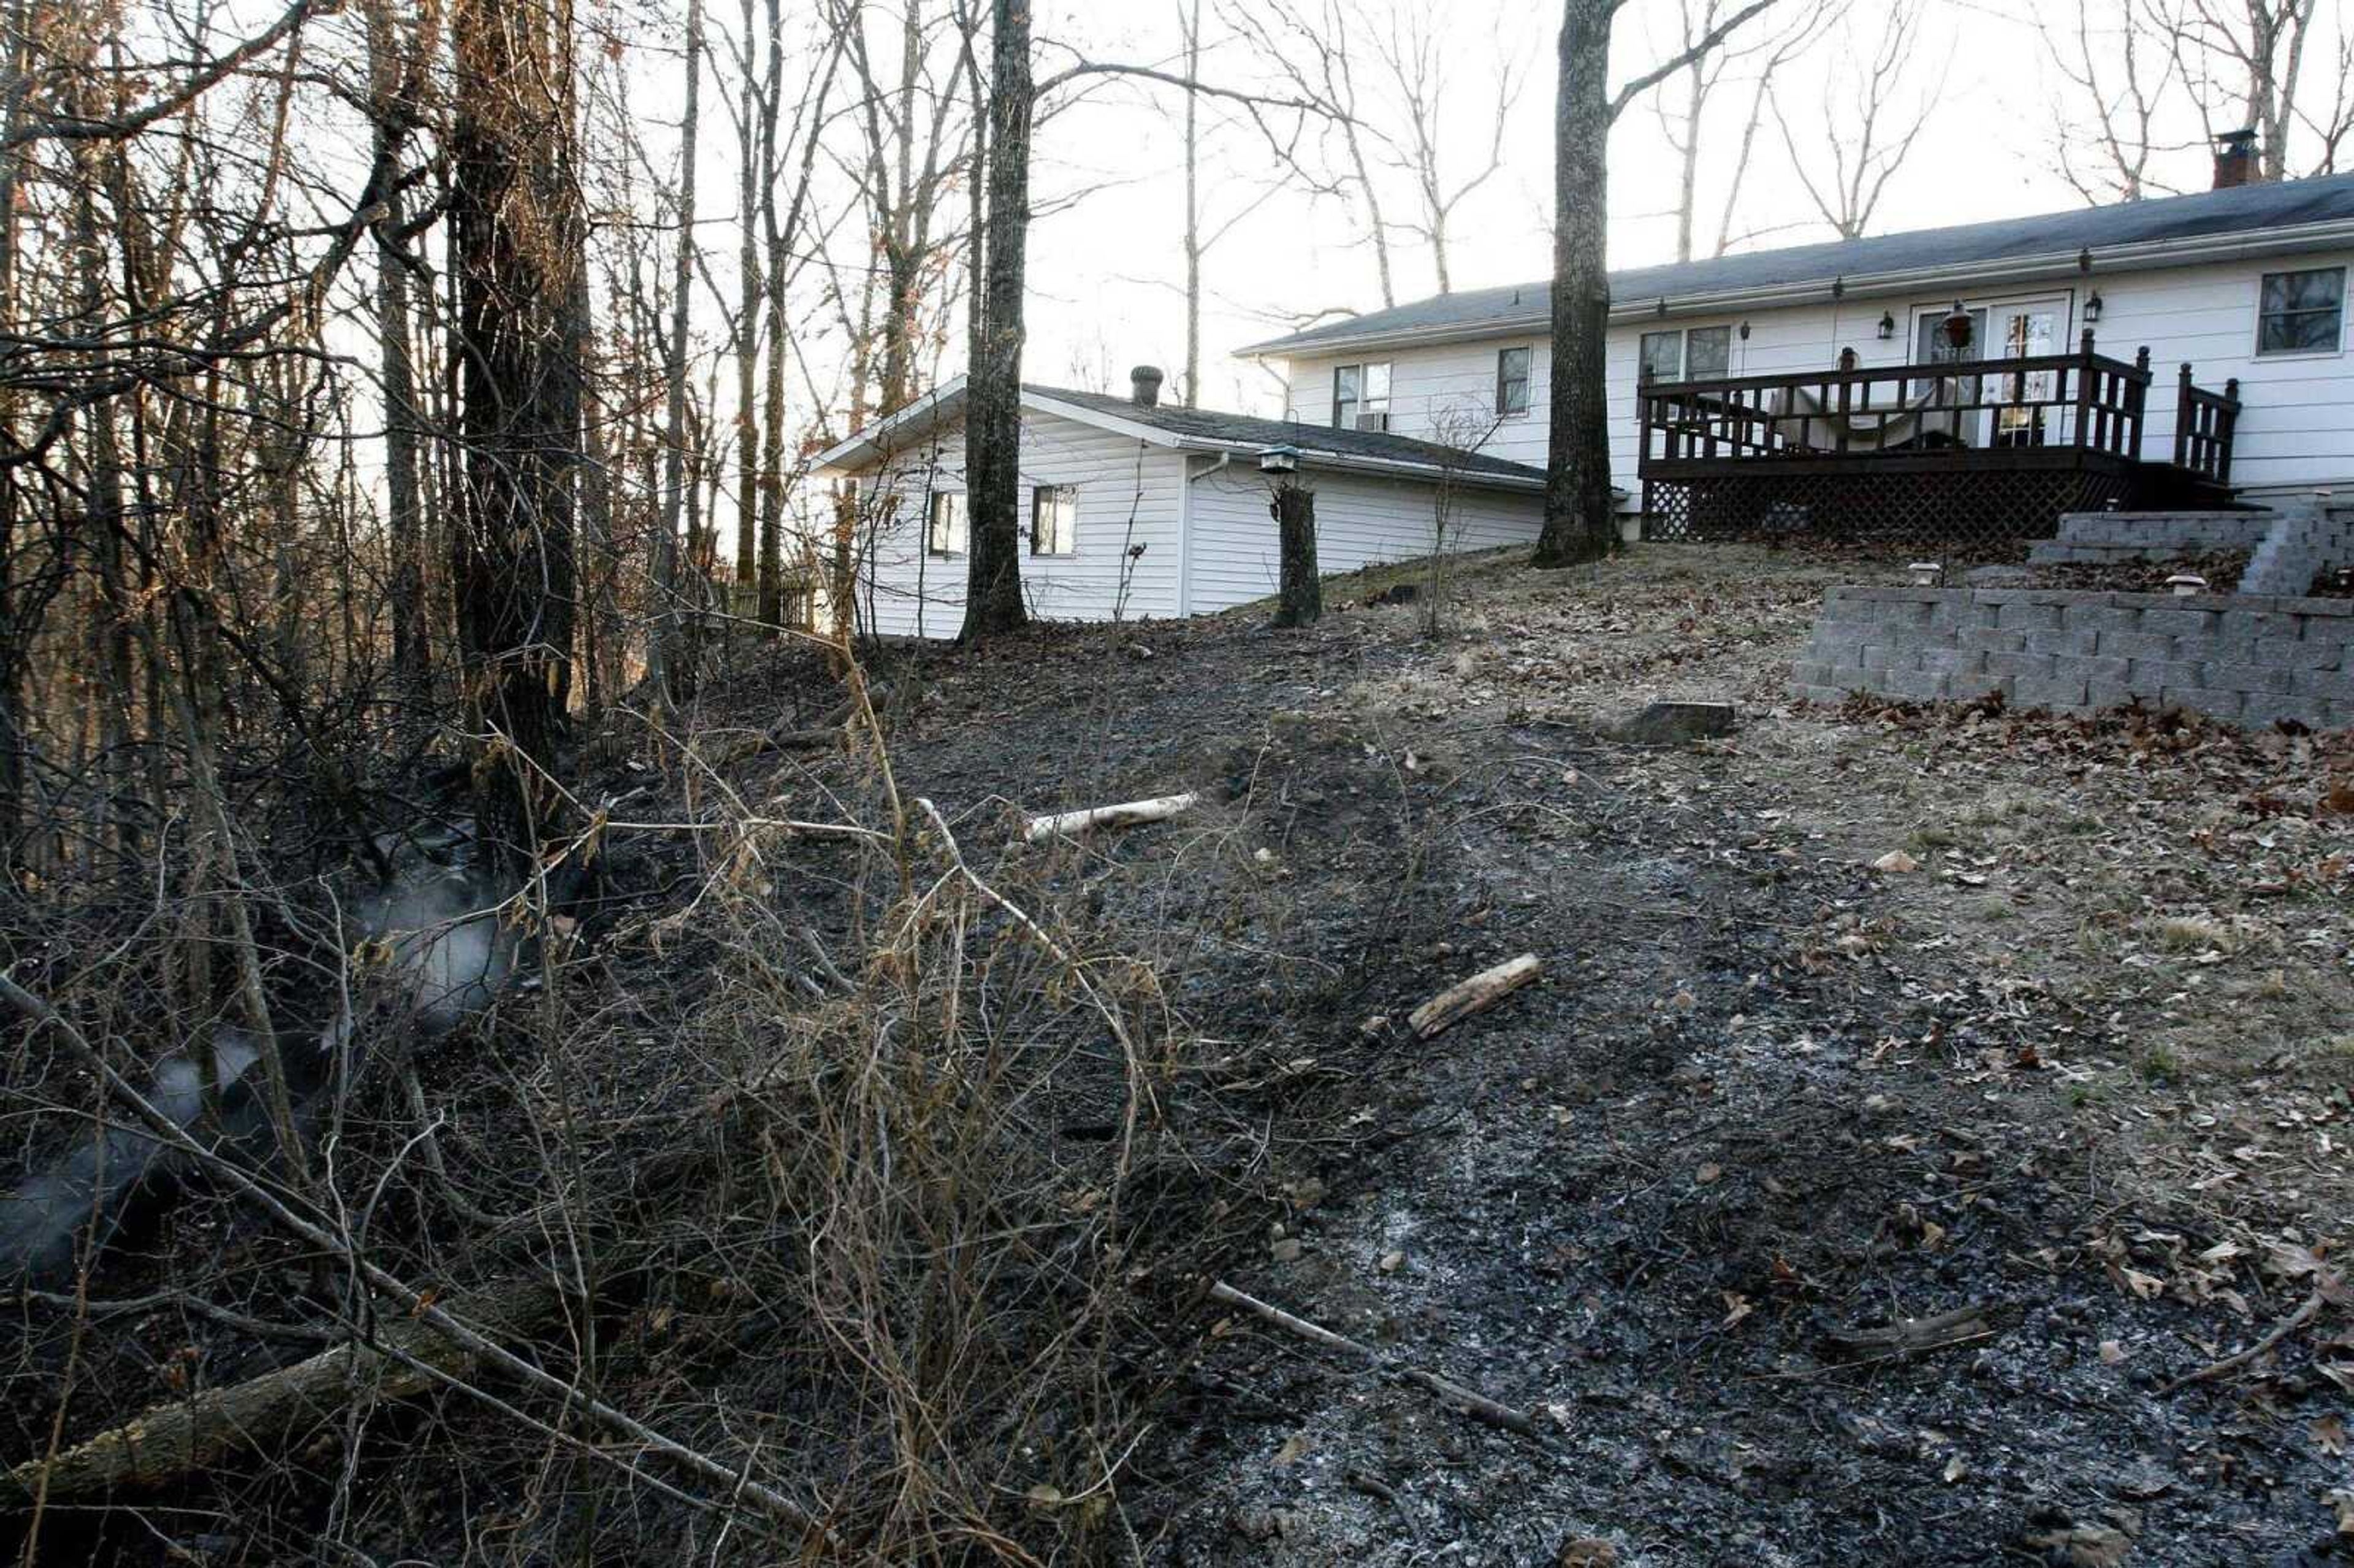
(1196, 430)
(2275, 215)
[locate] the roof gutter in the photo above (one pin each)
(1395, 468)
(2145, 255)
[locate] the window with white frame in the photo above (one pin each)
(1687, 354)
(1360, 392)
(2301, 312)
(1054, 519)
(1511, 382)
(945, 533)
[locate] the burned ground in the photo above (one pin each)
(2077, 1059)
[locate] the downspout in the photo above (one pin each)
(1185, 526)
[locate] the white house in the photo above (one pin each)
(2245, 283)
(1132, 508)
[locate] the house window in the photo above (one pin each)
(2301, 312)
(1361, 392)
(1687, 354)
(1708, 351)
(1054, 519)
(1511, 382)
(946, 533)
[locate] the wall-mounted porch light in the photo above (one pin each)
(1279, 460)
(1887, 326)
(2092, 308)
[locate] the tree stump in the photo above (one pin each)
(1301, 596)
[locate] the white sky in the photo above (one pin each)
(1106, 273)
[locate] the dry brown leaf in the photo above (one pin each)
(2329, 1431)
(1897, 860)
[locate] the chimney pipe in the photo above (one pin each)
(1144, 384)
(2235, 158)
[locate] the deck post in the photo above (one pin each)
(2186, 415)
(2087, 380)
(2137, 401)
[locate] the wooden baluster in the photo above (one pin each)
(2136, 405)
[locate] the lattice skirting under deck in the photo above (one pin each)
(1990, 513)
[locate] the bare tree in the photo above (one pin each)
(2119, 77)
(1685, 117)
(2244, 61)
(1579, 524)
(1412, 54)
(1868, 121)
(1314, 56)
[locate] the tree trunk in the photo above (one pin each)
(772, 444)
(994, 396)
(747, 322)
(511, 560)
(665, 541)
(1192, 397)
(1578, 524)
(1301, 598)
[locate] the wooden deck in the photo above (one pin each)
(1984, 453)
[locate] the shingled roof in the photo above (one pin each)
(2249, 210)
(1206, 427)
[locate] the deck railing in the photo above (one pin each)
(1950, 413)
(2204, 423)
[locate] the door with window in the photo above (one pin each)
(2028, 329)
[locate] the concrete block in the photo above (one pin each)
(2222, 676)
(2331, 685)
(1951, 661)
(2056, 693)
(2099, 617)
(2252, 624)
(2028, 616)
(1831, 695)
(2201, 699)
(2025, 666)
(2062, 642)
(2298, 653)
(2264, 709)
(1809, 673)
(2163, 674)
(2109, 668)
(1965, 684)
(2179, 622)
(1913, 685)
(2112, 694)
(2135, 644)
(1905, 612)
(1994, 639)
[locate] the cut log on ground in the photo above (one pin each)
(172, 1442)
(1129, 814)
(1480, 993)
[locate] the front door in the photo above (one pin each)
(2027, 329)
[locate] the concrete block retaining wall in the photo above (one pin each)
(2249, 658)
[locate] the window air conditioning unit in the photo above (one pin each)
(1373, 421)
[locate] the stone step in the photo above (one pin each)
(2068, 552)
(2171, 532)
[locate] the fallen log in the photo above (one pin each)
(1454, 1395)
(1128, 814)
(172, 1441)
(1480, 993)
(1917, 1336)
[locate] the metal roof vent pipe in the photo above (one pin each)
(2235, 158)
(1144, 386)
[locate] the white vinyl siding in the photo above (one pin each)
(1360, 520)
(1126, 531)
